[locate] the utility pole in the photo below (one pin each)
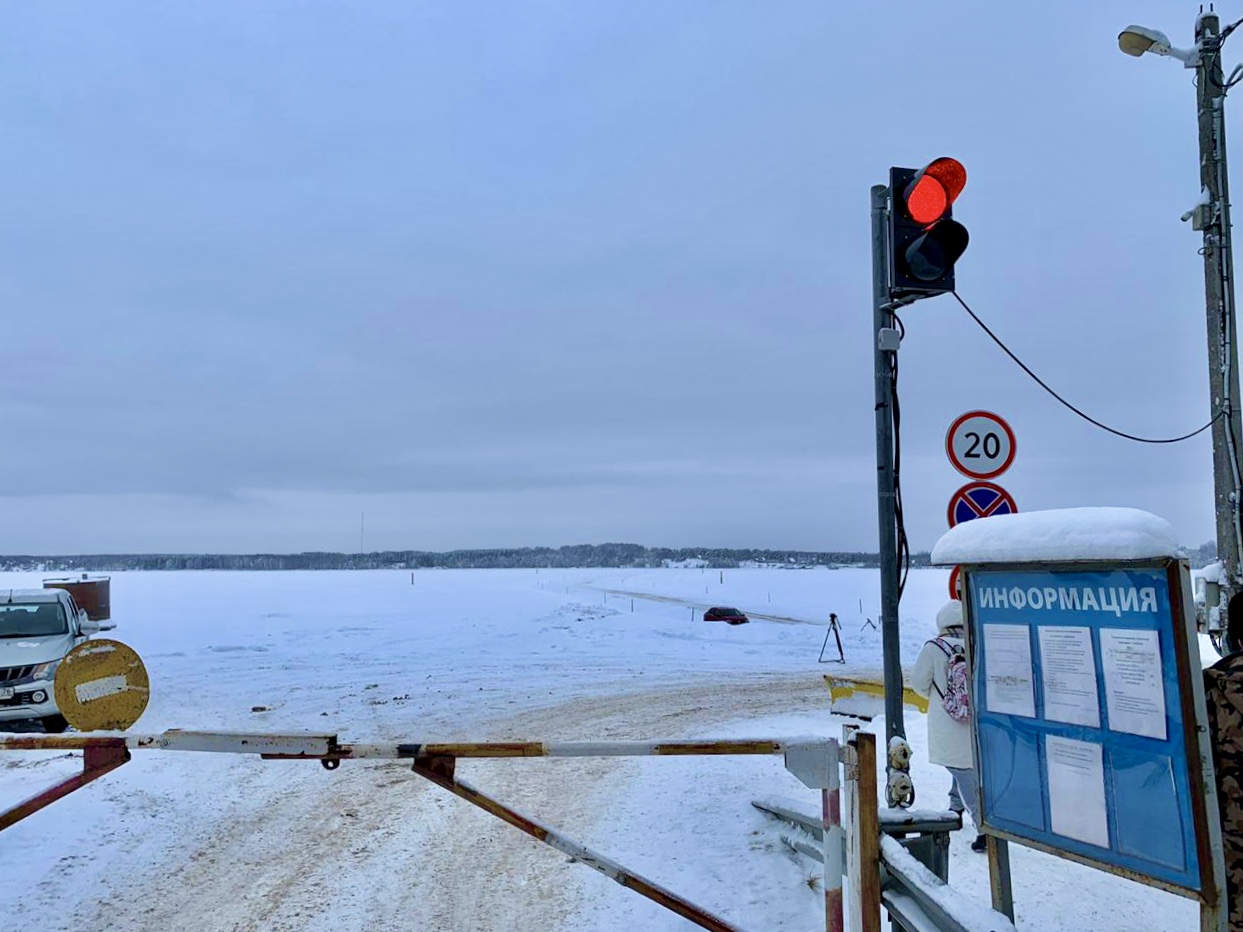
(883, 332)
(1212, 218)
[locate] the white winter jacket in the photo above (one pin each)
(949, 742)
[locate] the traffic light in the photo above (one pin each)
(924, 239)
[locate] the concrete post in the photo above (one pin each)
(1213, 219)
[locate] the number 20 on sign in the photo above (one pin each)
(980, 444)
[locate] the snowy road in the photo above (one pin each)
(217, 842)
(374, 846)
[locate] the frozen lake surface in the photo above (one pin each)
(223, 842)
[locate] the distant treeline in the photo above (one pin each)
(578, 555)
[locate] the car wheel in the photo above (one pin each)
(54, 724)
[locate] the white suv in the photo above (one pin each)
(37, 628)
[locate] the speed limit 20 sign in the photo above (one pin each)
(980, 445)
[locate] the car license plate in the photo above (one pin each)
(6, 692)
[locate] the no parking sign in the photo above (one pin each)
(979, 500)
(981, 445)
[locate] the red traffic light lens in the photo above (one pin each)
(951, 175)
(934, 189)
(926, 200)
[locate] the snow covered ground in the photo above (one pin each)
(222, 842)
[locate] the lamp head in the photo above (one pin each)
(1136, 40)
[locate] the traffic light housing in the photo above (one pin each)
(924, 239)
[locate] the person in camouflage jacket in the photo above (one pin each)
(1223, 689)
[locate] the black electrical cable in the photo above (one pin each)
(1091, 420)
(1224, 88)
(903, 544)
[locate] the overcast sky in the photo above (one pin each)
(505, 274)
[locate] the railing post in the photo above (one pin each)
(831, 813)
(850, 777)
(865, 829)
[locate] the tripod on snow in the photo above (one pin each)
(835, 630)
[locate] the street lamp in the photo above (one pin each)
(1211, 216)
(1136, 40)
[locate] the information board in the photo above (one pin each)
(1080, 722)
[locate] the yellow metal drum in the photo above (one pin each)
(101, 685)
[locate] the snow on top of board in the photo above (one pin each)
(1058, 534)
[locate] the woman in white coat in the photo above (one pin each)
(949, 741)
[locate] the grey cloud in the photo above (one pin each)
(571, 272)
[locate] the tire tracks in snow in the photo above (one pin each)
(696, 604)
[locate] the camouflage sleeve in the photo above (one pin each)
(1224, 694)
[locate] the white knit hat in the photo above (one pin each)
(949, 616)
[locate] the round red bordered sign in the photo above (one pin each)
(979, 500)
(980, 444)
(956, 583)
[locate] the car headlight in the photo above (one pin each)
(45, 671)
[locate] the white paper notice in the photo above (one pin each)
(1068, 674)
(1008, 660)
(1134, 691)
(1077, 789)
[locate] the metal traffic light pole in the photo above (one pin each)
(911, 217)
(886, 496)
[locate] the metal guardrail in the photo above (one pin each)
(923, 902)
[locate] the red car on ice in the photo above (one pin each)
(730, 616)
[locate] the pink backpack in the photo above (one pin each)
(956, 701)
